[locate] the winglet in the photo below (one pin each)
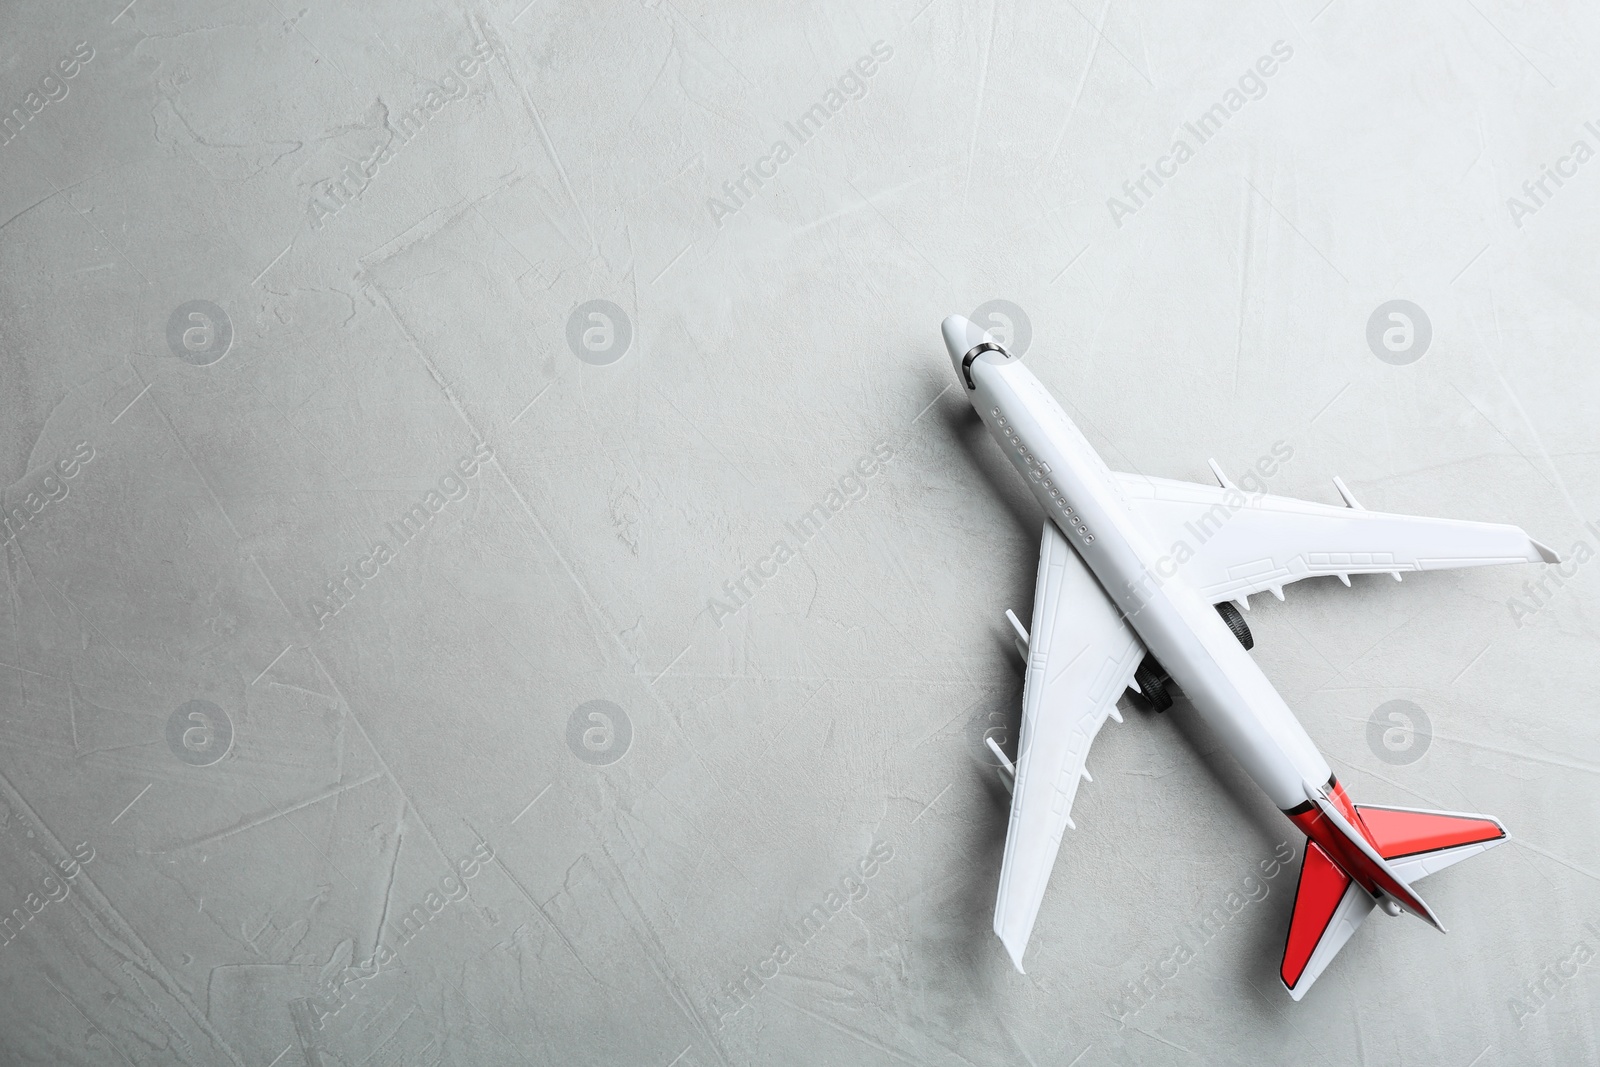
(1014, 939)
(1546, 553)
(1016, 956)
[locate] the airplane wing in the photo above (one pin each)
(1229, 544)
(1081, 656)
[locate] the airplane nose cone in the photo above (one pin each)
(961, 334)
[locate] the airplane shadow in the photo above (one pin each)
(974, 881)
(986, 465)
(1265, 935)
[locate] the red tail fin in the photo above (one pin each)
(1322, 886)
(1401, 832)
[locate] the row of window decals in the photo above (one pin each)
(1055, 493)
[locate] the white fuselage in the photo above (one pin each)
(1178, 626)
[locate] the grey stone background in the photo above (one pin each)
(238, 815)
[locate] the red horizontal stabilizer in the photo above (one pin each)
(1399, 832)
(1322, 885)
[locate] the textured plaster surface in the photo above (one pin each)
(397, 664)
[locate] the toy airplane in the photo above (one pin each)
(1137, 585)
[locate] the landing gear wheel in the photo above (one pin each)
(1152, 682)
(1236, 623)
